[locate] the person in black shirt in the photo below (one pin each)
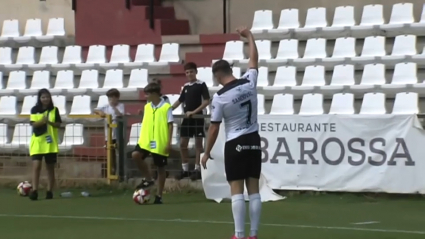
(195, 98)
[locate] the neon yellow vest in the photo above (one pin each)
(40, 144)
(155, 129)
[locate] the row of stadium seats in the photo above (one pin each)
(404, 48)
(282, 103)
(96, 58)
(344, 22)
(11, 35)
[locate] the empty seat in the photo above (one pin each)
(32, 30)
(283, 104)
(145, 53)
(406, 103)
(4, 138)
(372, 17)
(55, 30)
(16, 82)
(288, 49)
(342, 104)
(315, 49)
(263, 76)
(288, 20)
(89, 80)
(25, 57)
(134, 134)
(345, 47)
(8, 106)
(236, 72)
(373, 76)
(233, 51)
(138, 79)
(29, 102)
(343, 19)
(10, 30)
(311, 104)
(40, 80)
(401, 14)
(205, 74)
(260, 107)
(373, 103)
(102, 101)
(173, 98)
(120, 55)
(170, 53)
(49, 56)
(73, 136)
(316, 18)
(263, 21)
(5, 55)
(71, 56)
(264, 51)
(286, 77)
(343, 76)
(113, 79)
(81, 105)
(314, 76)
(404, 45)
(64, 81)
(21, 136)
(373, 47)
(96, 55)
(60, 102)
(418, 27)
(404, 74)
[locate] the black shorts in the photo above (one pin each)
(192, 128)
(159, 160)
(51, 158)
(242, 157)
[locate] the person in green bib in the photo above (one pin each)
(45, 120)
(155, 138)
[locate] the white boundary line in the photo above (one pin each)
(365, 223)
(209, 222)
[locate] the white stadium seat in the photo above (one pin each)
(236, 72)
(21, 136)
(314, 76)
(170, 53)
(138, 80)
(315, 50)
(343, 19)
(234, 51)
(263, 76)
(373, 103)
(405, 74)
(205, 74)
(261, 102)
(316, 18)
(89, 80)
(8, 106)
(263, 21)
(9, 31)
(288, 49)
(173, 98)
(342, 77)
(16, 82)
(40, 79)
(406, 103)
(288, 21)
(264, 51)
(71, 57)
(373, 76)
(95, 56)
(4, 132)
(55, 30)
(29, 102)
(344, 49)
(372, 17)
(285, 78)
(32, 30)
(373, 48)
(81, 105)
(102, 101)
(64, 81)
(418, 27)
(25, 57)
(145, 53)
(49, 56)
(401, 15)
(113, 79)
(73, 136)
(283, 104)
(404, 45)
(342, 104)
(5, 56)
(119, 56)
(135, 133)
(60, 102)
(312, 104)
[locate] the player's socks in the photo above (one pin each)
(185, 167)
(49, 195)
(238, 209)
(197, 167)
(254, 213)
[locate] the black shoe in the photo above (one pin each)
(34, 195)
(145, 184)
(183, 174)
(49, 195)
(196, 175)
(158, 200)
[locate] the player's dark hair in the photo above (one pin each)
(41, 92)
(156, 80)
(153, 88)
(190, 66)
(113, 93)
(222, 66)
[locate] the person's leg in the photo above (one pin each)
(160, 162)
(114, 158)
(184, 152)
(51, 160)
(138, 156)
(36, 169)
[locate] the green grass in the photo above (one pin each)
(109, 215)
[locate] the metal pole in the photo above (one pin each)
(122, 156)
(151, 14)
(224, 16)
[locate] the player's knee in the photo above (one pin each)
(136, 155)
(253, 185)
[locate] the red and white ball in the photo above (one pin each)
(24, 188)
(141, 196)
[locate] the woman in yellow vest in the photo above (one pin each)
(155, 138)
(45, 120)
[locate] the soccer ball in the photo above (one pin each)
(141, 196)
(24, 188)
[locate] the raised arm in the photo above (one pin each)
(253, 52)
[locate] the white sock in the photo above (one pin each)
(185, 167)
(254, 213)
(197, 167)
(238, 209)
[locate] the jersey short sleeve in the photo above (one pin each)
(170, 118)
(205, 92)
(182, 96)
(58, 118)
(216, 110)
(251, 75)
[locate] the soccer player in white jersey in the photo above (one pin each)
(236, 103)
